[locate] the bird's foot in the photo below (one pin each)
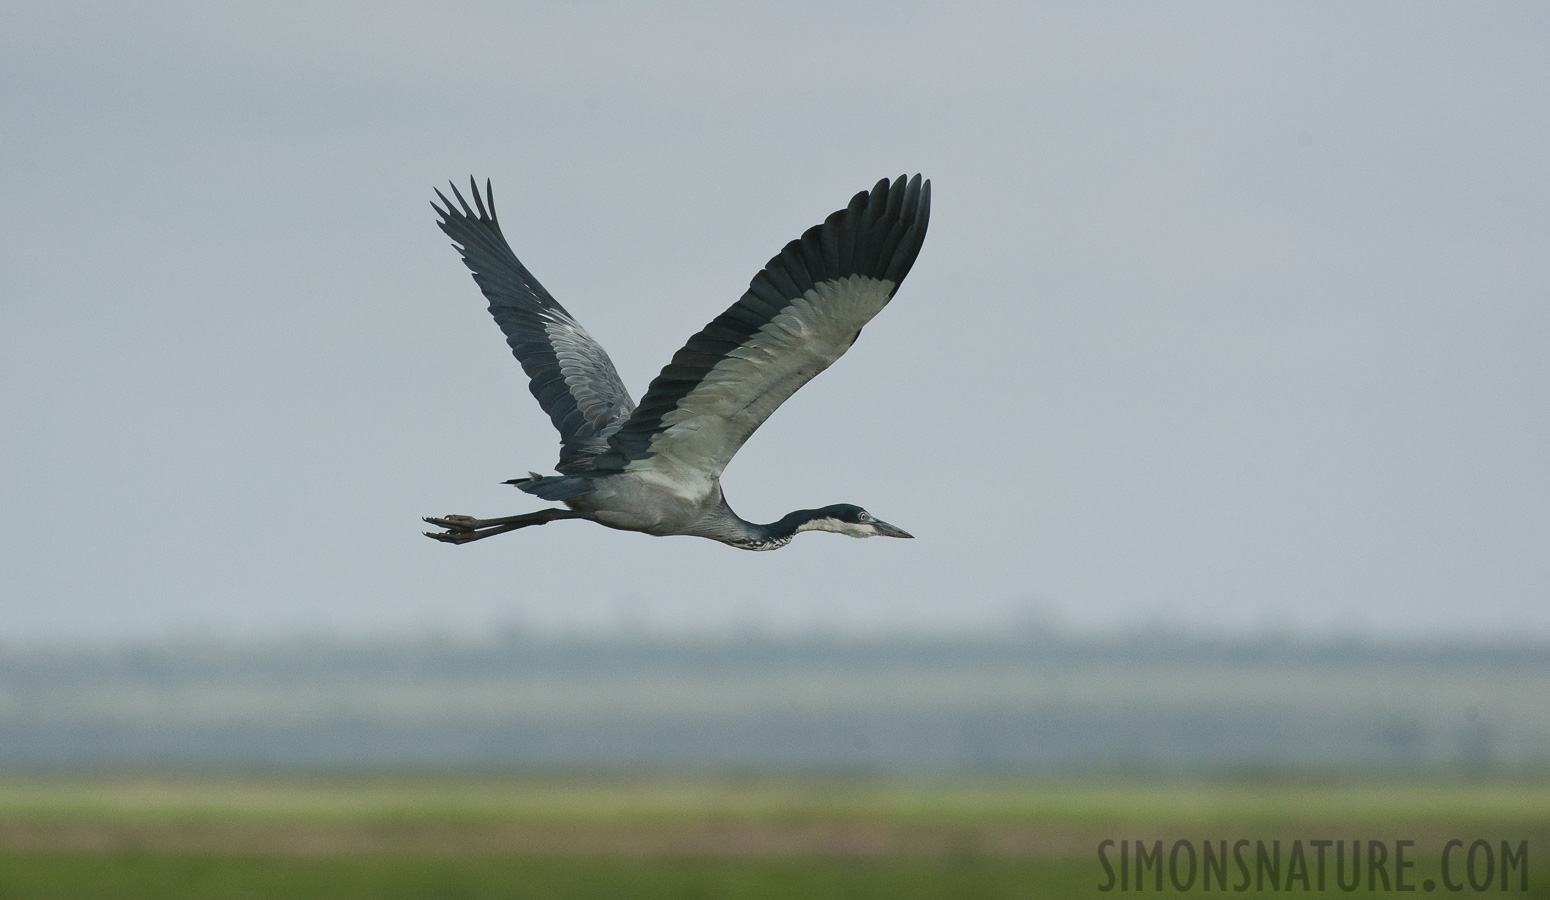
(454, 537)
(459, 529)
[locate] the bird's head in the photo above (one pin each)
(846, 518)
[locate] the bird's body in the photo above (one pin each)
(656, 468)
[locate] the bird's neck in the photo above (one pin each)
(753, 536)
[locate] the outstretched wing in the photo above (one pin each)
(572, 377)
(800, 314)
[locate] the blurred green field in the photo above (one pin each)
(554, 837)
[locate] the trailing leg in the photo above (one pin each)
(465, 529)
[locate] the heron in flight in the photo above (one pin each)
(656, 467)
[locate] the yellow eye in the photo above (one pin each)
(865, 517)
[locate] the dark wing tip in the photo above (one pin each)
(473, 188)
(878, 234)
(484, 203)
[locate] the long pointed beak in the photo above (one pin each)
(886, 530)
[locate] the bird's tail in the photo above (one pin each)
(552, 487)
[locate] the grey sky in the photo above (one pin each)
(1231, 316)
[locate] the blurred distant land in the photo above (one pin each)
(1030, 703)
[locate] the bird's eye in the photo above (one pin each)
(865, 517)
